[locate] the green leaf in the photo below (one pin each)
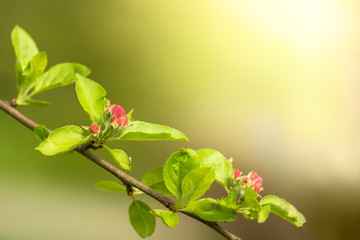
(91, 96)
(264, 213)
(59, 75)
(177, 167)
(214, 159)
(230, 200)
(170, 219)
(155, 180)
(143, 131)
(63, 139)
(24, 46)
(41, 132)
(120, 157)
(196, 183)
(249, 214)
(35, 103)
(26, 79)
(210, 210)
(284, 209)
(18, 71)
(141, 219)
(38, 64)
(110, 186)
(251, 207)
(129, 115)
(250, 197)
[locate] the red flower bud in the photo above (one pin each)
(120, 121)
(94, 128)
(246, 180)
(258, 181)
(110, 107)
(254, 181)
(116, 121)
(125, 121)
(254, 176)
(116, 110)
(237, 174)
(257, 189)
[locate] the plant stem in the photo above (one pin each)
(126, 179)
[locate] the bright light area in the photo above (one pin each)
(307, 52)
(310, 25)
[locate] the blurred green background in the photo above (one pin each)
(273, 84)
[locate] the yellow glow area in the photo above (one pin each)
(306, 102)
(310, 25)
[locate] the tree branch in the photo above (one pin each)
(126, 179)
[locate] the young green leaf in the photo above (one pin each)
(141, 219)
(177, 167)
(284, 209)
(24, 46)
(142, 131)
(110, 186)
(41, 132)
(35, 103)
(264, 213)
(155, 180)
(170, 219)
(38, 64)
(250, 197)
(249, 214)
(120, 157)
(210, 210)
(196, 183)
(26, 78)
(59, 75)
(63, 139)
(19, 71)
(129, 115)
(230, 200)
(214, 159)
(91, 96)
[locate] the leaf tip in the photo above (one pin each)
(38, 148)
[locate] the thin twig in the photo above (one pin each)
(126, 179)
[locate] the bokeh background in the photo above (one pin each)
(273, 84)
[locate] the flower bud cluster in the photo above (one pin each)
(119, 118)
(113, 122)
(252, 180)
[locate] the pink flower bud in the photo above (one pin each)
(257, 189)
(254, 176)
(110, 107)
(125, 122)
(117, 110)
(254, 181)
(246, 180)
(120, 121)
(237, 174)
(94, 128)
(116, 121)
(258, 181)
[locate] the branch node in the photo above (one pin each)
(13, 103)
(171, 206)
(94, 145)
(130, 190)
